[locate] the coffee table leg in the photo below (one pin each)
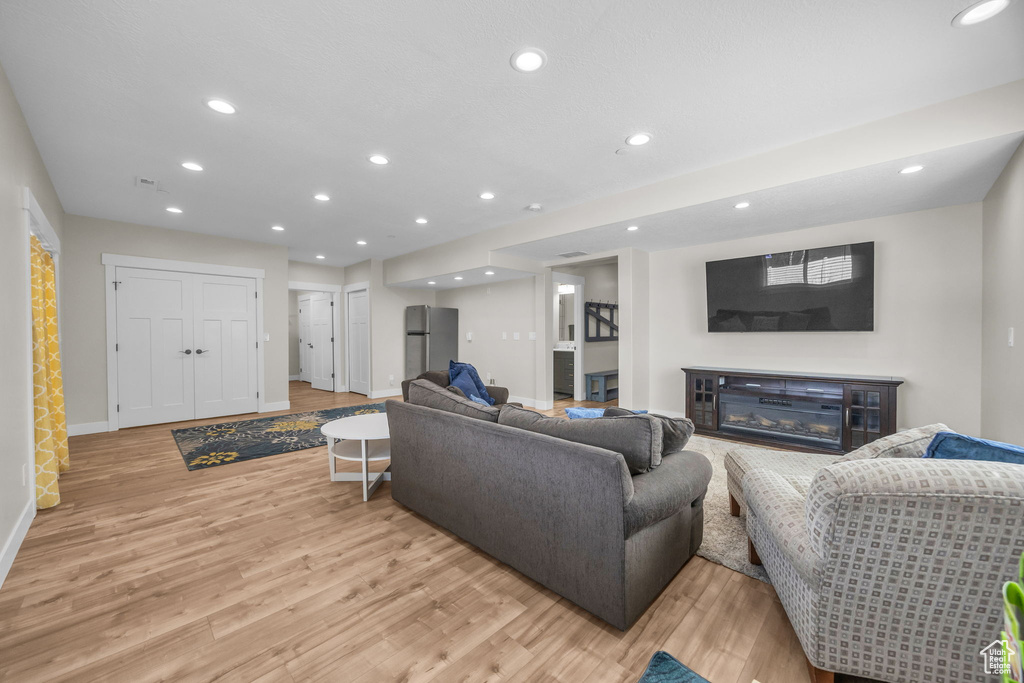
(366, 481)
(330, 456)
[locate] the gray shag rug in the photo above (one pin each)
(725, 536)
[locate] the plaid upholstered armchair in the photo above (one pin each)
(891, 568)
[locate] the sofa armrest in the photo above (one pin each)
(681, 479)
(904, 484)
(780, 510)
(499, 394)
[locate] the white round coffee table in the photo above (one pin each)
(371, 431)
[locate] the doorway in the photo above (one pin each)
(313, 338)
(567, 366)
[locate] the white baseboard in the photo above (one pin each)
(342, 388)
(293, 378)
(87, 428)
(532, 402)
(279, 405)
(13, 541)
(386, 393)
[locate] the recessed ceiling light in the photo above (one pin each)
(321, 197)
(742, 205)
(361, 243)
(277, 227)
(192, 166)
(535, 207)
(489, 272)
(633, 227)
(486, 195)
(431, 283)
(421, 221)
(173, 209)
(638, 139)
(911, 169)
(320, 256)
(458, 277)
(220, 106)
(528, 59)
(979, 12)
(378, 159)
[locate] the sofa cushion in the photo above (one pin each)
(637, 437)
(953, 446)
(681, 479)
(676, 431)
(426, 393)
(911, 443)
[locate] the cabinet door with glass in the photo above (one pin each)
(704, 406)
(867, 415)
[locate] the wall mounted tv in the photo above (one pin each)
(811, 290)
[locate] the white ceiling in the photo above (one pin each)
(114, 89)
(469, 278)
(957, 175)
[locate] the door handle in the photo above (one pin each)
(200, 351)
(187, 352)
(847, 417)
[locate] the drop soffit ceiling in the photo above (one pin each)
(957, 175)
(113, 90)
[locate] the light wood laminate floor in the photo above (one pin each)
(267, 571)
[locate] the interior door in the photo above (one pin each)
(155, 363)
(225, 345)
(322, 336)
(305, 339)
(359, 342)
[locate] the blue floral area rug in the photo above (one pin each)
(229, 442)
(664, 668)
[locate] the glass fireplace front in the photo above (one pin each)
(810, 421)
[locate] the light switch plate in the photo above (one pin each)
(515, 336)
(533, 336)
(266, 336)
(469, 336)
(504, 336)
(1009, 337)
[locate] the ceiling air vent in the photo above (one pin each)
(574, 254)
(147, 183)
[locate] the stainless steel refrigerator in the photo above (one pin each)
(431, 339)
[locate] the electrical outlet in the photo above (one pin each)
(488, 377)
(391, 380)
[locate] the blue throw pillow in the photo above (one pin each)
(465, 377)
(476, 399)
(953, 446)
(575, 413)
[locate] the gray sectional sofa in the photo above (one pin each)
(889, 565)
(569, 515)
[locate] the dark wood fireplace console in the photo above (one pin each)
(798, 411)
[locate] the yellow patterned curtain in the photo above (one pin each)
(51, 427)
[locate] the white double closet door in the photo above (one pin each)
(316, 340)
(186, 346)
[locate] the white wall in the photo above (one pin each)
(293, 333)
(85, 359)
(1003, 249)
(927, 316)
(487, 311)
(20, 167)
(387, 329)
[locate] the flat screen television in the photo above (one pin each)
(811, 290)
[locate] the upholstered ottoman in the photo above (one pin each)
(796, 468)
